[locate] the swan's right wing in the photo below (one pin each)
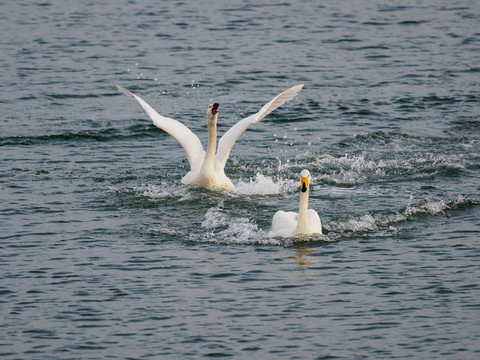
(189, 141)
(284, 223)
(227, 141)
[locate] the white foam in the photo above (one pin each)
(346, 169)
(354, 169)
(428, 207)
(223, 229)
(263, 185)
(150, 191)
(154, 191)
(462, 201)
(163, 230)
(374, 222)
(355, 225)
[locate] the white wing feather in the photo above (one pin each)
(314, 222)
(189, 141)
(284, 223)
(228, 139)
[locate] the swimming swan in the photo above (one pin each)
(305, 222)
(207, 168)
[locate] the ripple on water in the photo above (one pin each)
(105, 254)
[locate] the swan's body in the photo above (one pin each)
(207, 167)
(305, 222)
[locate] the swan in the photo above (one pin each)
(207, 167)
(305, 222)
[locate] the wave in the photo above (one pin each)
(414, 211)
(104, 135)
(387, 157)
(152, 193)
(76, 96)
(349, 170)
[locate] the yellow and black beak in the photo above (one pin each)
(214, 108)
(304, 184)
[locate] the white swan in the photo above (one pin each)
(207, 168)
(305, 222)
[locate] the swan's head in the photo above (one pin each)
(305, 175)
(212, 114)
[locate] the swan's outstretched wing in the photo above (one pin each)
(189, 141)
(228, 139)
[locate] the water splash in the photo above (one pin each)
(413, 211)
(152, 192)
(426, 207)
(263, 185)
(359, 169)
(223, 229)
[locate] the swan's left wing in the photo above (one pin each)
(189, 141)
(227, 141)
(314, 222)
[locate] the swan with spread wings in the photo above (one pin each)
(207, 167)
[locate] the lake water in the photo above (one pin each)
(104, 254)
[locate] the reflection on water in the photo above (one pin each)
(303, 260)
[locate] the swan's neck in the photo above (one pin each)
(211, 147)
(302, 225)
(212, 140)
